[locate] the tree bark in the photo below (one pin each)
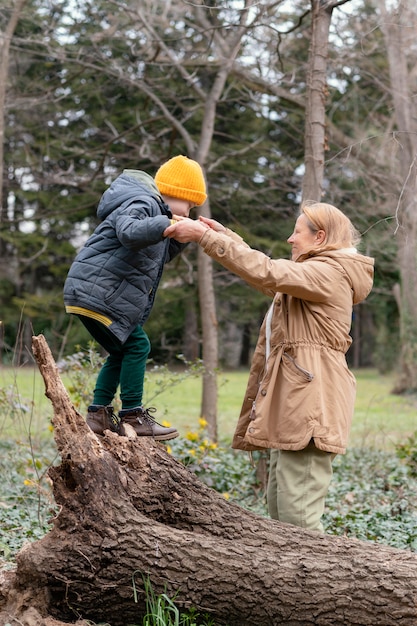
(315, 110)
(128, 510)
(5, 41)
(398, 30)
(230, 50)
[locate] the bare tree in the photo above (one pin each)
(399, 26)
(5, 42)
(316, 96)
(182, 79)
(205, 73)
(230, 47)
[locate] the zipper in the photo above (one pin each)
(306, 373)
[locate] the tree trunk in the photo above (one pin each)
(397, 27)
(315, 110)
(210, 342)
(128, 511)
(191, 339)
(5, 41)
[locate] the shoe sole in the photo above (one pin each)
(131, 433)
(167, 436)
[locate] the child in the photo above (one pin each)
(112, 283)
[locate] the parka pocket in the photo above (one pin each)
(297, 369)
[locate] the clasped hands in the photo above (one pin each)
(185, 229)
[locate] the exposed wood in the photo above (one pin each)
(128, 510)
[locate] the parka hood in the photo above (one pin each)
(358, 267)
(126, 188)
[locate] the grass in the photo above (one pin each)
(381, 419)
(24, 409)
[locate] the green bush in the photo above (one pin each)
(408, 452)
(26, 501)
(225, 470)
(81, 370)
(373, 497)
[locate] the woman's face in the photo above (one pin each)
(303, 239)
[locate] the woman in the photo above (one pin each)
(300, 396)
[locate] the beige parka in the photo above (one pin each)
(299, 387)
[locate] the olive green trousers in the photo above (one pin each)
(124, 366)
(298, 484)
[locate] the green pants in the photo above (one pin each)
(124, 366)
(298, 484)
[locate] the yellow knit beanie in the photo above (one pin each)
(181, 177)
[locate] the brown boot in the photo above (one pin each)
(144, 425)
(101, 418)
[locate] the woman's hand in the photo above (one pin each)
(185, 230)
(213, 224)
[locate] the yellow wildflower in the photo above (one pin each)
(202, 422)
(192, 436)
(226, 495)
(166, 423)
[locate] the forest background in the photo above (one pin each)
(280, 101)
(90, 88)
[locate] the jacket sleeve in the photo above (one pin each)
(308, 280)
(139, 226)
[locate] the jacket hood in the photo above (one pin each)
(125, 189)
(358, 267)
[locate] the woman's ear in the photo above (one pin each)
(320, 236)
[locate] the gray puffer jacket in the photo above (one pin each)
(118, 270)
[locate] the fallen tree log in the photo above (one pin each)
(129, 511)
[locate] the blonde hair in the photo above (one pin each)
(339, 230)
